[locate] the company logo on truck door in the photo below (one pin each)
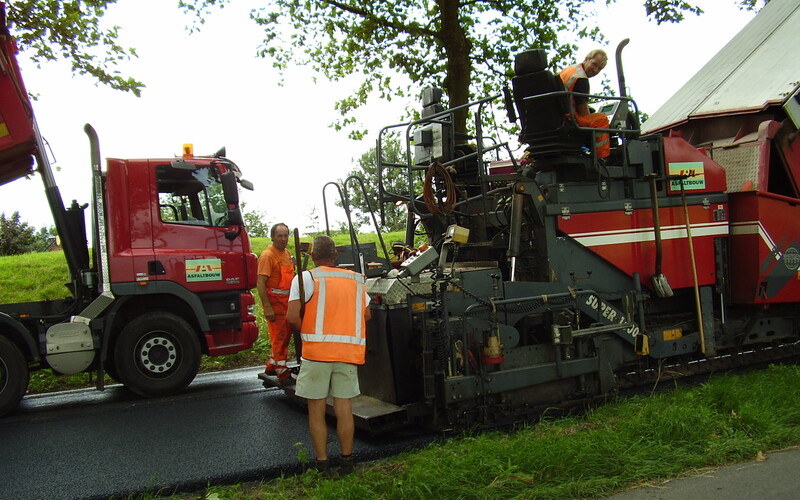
(203, 270)
(693, 169)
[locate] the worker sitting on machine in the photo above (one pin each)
(576, 79)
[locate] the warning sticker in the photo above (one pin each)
(203, 270)
(695, 176)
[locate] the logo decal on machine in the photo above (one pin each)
(791, 258)
(203, 270)
(693, 169)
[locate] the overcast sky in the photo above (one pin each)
(210, 89)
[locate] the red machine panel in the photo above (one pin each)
(683, 159)
(628, 241)
(765, 248)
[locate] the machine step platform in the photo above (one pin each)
(370, 414)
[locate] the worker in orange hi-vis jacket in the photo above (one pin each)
(333, 326)
(275, 273)
(576, 79)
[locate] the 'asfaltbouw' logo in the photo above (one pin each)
(203, 270)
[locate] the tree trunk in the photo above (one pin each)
(457, 48)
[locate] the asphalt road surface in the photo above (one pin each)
(773, 477)
(226, 428)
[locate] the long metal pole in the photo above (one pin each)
(694, 272)
(298, 343)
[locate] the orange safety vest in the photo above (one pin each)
(570, 75)
(333, 327)
(280, 277)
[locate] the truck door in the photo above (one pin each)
(189, 228)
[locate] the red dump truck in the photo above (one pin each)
(167, 277)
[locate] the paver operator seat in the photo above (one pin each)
(546, 120)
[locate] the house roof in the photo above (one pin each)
(755, 70)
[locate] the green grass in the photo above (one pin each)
(630, 442)
(33, 276)
(41, 276)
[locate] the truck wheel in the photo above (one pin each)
(157, 354)
(14, 375)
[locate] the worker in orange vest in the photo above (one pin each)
(275, 273)
(576, 79)
(334, 332)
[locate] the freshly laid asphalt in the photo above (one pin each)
(775, 477)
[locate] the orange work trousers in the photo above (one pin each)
(596, 120)
(280, 333)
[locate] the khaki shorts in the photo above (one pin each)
(318, 380)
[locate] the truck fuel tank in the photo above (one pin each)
(70, 347)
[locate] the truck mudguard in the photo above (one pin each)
(14, 330)
(127, 290)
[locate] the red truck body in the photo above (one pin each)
(17, 137)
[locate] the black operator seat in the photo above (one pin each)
(531, 79)
(547, 126)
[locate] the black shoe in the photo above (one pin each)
(321, 466)
(346, 464)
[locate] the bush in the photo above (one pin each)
(16, 237)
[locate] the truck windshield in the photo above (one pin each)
(191, 196)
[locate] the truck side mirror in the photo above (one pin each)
(236, 220)
(229, 189)
(235, 217)
(231, 193)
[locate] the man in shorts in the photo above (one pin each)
(333, 327)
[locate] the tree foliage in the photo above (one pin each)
(47, 30)
(256, 222)
(45, 239)
(16, 236)
(394, 181)
(466, 48)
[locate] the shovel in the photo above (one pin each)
(659, 281)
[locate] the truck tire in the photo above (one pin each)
(157, 354)
(14, 375)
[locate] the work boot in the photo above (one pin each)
(325, 468)
(321, 466)
(285, 378)
(346, 465)
(270, 370)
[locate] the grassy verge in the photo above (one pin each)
(33, 276)
(618, 445)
